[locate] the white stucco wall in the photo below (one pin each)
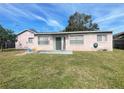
(89, 40)
(22, 40)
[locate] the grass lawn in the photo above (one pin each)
(80, 70)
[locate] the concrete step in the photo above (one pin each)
(55, 52)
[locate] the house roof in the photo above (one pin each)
(57, 33)
(118, 35)
(30, 30)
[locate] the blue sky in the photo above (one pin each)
(54, 17)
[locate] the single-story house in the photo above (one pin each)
(74, 41)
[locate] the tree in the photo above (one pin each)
(5, 36)
(81, 22)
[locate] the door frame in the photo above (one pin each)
(62, 42)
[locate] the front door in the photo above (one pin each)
(58, 43)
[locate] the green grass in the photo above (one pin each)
(80, 70)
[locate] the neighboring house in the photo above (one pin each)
(75, 41)
(118, 40)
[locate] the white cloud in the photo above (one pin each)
(49, 22)
(113, 14)
(35, 6)
(38, 17)
(53, 22)
(102, 19)
(13, 13)
(17, 12)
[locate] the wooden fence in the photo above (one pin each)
(118, 44)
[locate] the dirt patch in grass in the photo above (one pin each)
(21, 54)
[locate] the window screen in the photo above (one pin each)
(43, 40)
(101, 37)
(76, 39)
(30, 40)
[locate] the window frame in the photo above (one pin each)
(43, 40)
(30, 40)
(103, 38)
(76, 39)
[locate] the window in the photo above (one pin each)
(76, 39)
(101, 37)
(43, 40)
(30, 40)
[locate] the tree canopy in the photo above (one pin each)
(6, 35)
(81, 22)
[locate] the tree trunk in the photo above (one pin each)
(1, 47)
(6, 44)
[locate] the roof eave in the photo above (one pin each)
(77, 32)
(27, 30)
